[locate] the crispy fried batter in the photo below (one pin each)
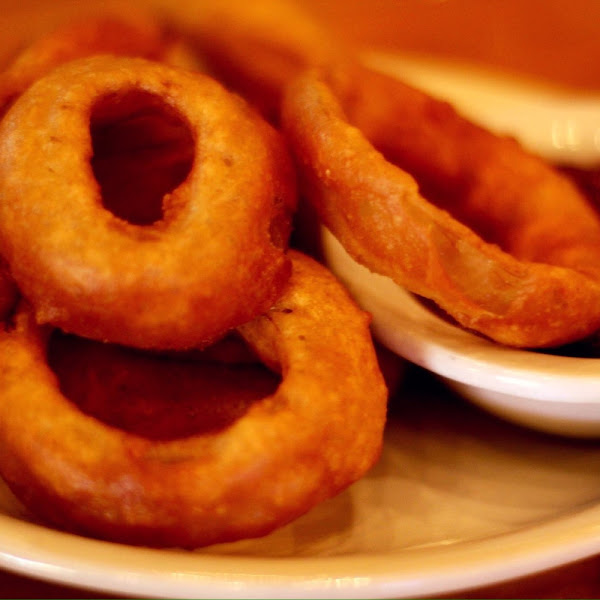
(536, 282)
(223, 230)
(319, 431)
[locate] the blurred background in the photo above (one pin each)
(552, 39)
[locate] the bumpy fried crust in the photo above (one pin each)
(223, 231)
(535, 284)
(318, 432)
(132, 33)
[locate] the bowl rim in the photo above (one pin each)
(405, 325)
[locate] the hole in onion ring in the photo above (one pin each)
(587, 179)
(142, 150)
(160, 397)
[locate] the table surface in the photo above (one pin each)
(579, 580)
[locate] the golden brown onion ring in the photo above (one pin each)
(535, 284)
(126, 35)
(316, 434)
(134, 33)
(213, 261)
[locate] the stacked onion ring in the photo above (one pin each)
(319, 431)
(146, 210)
(161, 285)
(191, 250)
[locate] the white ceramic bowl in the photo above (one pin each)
(559, 124)
(555, 394)
(550, 393)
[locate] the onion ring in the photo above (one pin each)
(316, 434)
(541, 287)
(131, 35)
(424, 136)
(223, 231)
(124, 34)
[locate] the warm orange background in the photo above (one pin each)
(555, 39)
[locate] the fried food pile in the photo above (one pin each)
(172, 373)
(176, 372)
